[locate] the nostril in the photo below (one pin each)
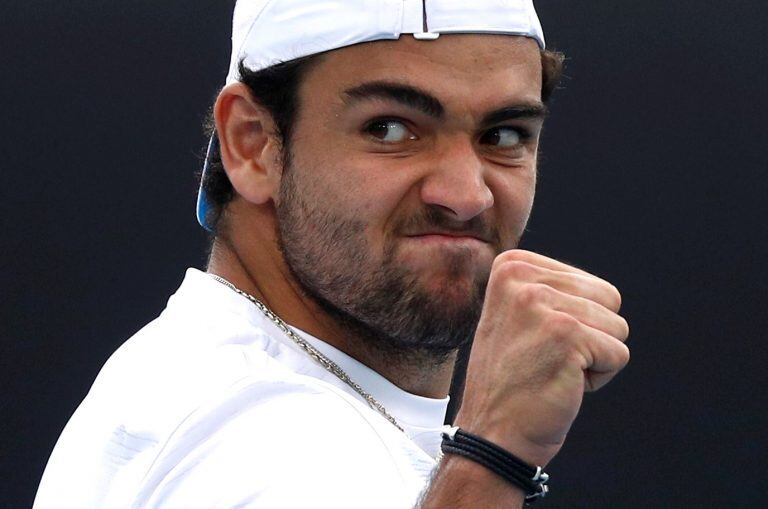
(461, 200)
(456, 179)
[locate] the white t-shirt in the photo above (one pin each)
(211, 405)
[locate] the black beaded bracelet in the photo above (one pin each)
(532, 480)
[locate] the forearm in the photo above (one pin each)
(461, 483)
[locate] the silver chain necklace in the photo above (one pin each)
(311, 351)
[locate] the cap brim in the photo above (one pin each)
(204, 204)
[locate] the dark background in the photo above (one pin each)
(653, 176)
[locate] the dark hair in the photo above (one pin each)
(276, 88)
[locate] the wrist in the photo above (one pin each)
(531, 479)
(531, 451)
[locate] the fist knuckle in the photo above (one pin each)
(575, 358)
(515, 269)
(513, 254)
(531, 294)
(506, 257)
(561, 325)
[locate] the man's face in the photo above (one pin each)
(412, 165)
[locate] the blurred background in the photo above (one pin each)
(653, 177)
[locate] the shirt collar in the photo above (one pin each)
(415, 412)
(410, 409)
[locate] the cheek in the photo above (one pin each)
(351, 187)
(366, 185)
(526, 197)
(513, 202)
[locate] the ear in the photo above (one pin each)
(250, 149)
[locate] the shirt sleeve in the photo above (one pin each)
(276, 446)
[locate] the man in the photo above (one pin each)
(366, 189)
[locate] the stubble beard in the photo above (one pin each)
(382, 304)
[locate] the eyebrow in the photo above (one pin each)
(533, 111)
(406, 95)
(416, 98)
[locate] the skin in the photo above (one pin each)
(357, 176)
(548, 331)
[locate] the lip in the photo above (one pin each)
(447, 238)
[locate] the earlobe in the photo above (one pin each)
(248, 144)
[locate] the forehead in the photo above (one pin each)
(455, 67)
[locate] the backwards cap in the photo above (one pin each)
(268, 32)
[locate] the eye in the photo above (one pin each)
(503, 137)
(389, 131)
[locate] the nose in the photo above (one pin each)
(456, 181)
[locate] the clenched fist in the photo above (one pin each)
(547, 333)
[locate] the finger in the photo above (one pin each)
(517, 272)
(608, 357)
(590, 313)
(597, 354)
(542, 261)
(593, 289)
(571, 279)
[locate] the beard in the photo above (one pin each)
(375, 298)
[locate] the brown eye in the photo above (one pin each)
(502, 137)
(389, 131)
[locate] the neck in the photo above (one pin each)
(258, 268)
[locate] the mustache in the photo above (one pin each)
(435, 220)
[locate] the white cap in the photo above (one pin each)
(266, 32)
